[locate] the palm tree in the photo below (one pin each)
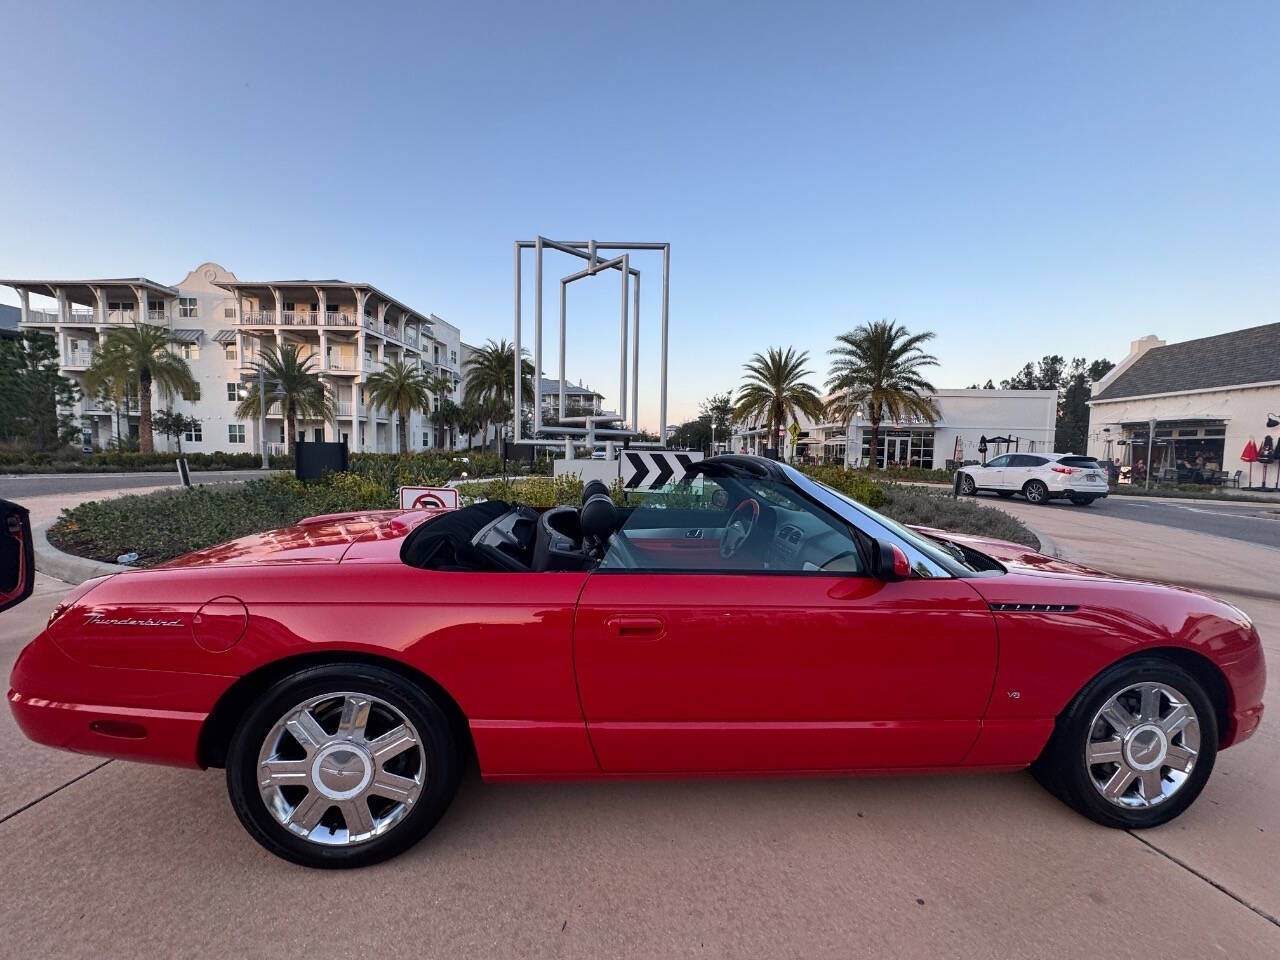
(400, 388)
(292, 383)
(491, 382)
(108, 379)
(470, 416)
(876, 367)
(440, 386)
(776, 388)
(140, 354)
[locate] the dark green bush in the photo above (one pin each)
(161, 526)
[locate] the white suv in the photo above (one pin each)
(1040, 477)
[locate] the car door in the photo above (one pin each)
(768, 662)
(1022, 467)
(991, 474)
(17, 556)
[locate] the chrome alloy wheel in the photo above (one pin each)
(1142, 745)
(341, 768)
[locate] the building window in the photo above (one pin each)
(120, 306)
(235, 431)
(233, 391)
(281, 440)
(453, 362)
(188, 309)
(192, 396)
(231, 351)
(194, 435)
(191, 351)
(229, 313)
(426, 442)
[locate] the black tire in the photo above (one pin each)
(1061, 767)
(1036, 492)
(1082, 501)
(441, 762)
(967, 485)
(1006, 494)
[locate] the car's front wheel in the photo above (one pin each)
(967, 485)
(1135, 746)
(342, 765)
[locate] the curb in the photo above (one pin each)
(64, 566)
(1048, 546)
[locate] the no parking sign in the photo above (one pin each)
(428, 498)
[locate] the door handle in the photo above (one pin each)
(637, 628)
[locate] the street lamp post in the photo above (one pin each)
(262, 416)
(1151, 437)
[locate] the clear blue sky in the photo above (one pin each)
(1021, 178)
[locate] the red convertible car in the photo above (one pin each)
(749, 622)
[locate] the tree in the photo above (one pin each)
(444, 410)
(1074, 387)
(718, 408)
(490, 376)
(139, 353)
(34, 396)
(174, 425)
(293, 384)
(693, 434)
(776, 389)
(400, 388)
(470, 416)
(876, 368)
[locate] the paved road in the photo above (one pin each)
(1248, 522)
(123, 860)
(35, 485)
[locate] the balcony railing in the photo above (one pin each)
(343, 363)
(343, 408)
(78, 358)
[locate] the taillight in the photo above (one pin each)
(72, 598)
(1066, 470)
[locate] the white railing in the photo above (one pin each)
(121, 316)
(44, 316)
(266, 318)
(343, 407)
(159, 316)
(342, 363)
(336, 318)
(78, 358)
(373, 366)
(280, 449)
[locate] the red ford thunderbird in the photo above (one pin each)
(749, 622)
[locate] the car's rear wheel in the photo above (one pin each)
(1135, 747)
(342, 765)
(967, 485)
(1035, 491)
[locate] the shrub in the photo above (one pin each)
(936, 508)
(852, 483)
(163, 525)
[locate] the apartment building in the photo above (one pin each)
(220, 325)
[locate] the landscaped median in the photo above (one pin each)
(161, 526)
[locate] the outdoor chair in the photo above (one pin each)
(1233, 480)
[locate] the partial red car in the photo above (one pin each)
(748, 622)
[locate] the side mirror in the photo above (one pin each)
(891, 562)
(17, 555)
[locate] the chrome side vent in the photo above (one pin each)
(1033, 607)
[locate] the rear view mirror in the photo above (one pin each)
(17, 556)
(891, 562)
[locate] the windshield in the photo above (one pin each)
(928, 549)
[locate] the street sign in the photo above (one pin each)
(428, 498)
(649, 469)
(794, 430)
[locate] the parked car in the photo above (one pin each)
(749, 622)
(17, 555)
(1040, 477)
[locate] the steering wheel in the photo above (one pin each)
(741, 522)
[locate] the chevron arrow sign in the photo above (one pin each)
(650, 469)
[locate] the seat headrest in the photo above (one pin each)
(599, 516)
(593, 487)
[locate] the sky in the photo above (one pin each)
(1020, 178)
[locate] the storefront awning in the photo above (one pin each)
(229, 336)
(185, 336)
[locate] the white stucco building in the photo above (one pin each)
(1025, 417)
(219, 324)
(1209, 397)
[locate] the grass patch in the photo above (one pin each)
(1189, 491)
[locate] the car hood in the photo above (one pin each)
(1016, 557)
(322, 539)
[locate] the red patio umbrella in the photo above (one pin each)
(1250, 456)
